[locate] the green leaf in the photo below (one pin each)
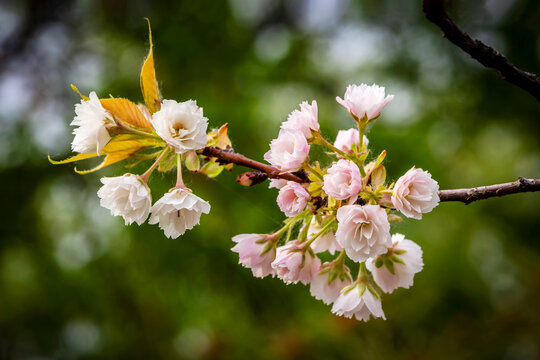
(211, 169)
(192, 161)
(168, 162)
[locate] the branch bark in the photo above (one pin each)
(485, 55)
(227, 156)
(465, 196)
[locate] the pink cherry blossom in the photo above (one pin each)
(322, 288)
(293, 264)
(292, 199)
(305, 120)
(343, 180)
(415, 193)
(363, 231)
(277, 183)
(358, 301)
(410, 262)
(250, 248)
(289, 151)
(364, 101)
(345, 140)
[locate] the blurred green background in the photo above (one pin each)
(75, 283)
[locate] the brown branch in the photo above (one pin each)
(485, 55)
(465, 196)
(228, 156)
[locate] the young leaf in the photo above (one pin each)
(126, 112)
(378, 176)
(149, 84)
(192, 161)
(72, 159)
(74, 88)
(168, 162)
(211, 169)
(109, 160)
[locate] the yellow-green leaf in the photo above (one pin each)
(109, 160)
(123, 142)
(192, 161)
(149, 84)
(72, 158)
(126, 112)
(74, 88)
(211, 169)
(168, 162)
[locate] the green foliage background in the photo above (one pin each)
(75, 283)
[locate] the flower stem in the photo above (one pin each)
(179, 181)
(313, 170)
(362, 273)
(320, 140)
(322, 231)
(289, 223)
(148, 172)
(307, 222)
(341, 258)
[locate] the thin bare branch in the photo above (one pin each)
(467, 196)
(485, 55)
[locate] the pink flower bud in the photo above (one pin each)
(345, 140)
(343, 180)
(397, 267)
(304, 120)
(415, 193)
(289, 151)
(363, 231)
(255, 253)
(364, 101)
(292, 199)
(293, 264)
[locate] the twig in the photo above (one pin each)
(485, 55)
(228, 156)
(465, 196)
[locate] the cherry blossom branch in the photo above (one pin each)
(228, 156)
(465, 196)
(485, 55)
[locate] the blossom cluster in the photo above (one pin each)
(168, 132)
(344, 209)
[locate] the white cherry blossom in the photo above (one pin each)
(127, 196)
(177, 211)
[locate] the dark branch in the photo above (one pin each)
(485, 55)
(466, 196)
(228, 156)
